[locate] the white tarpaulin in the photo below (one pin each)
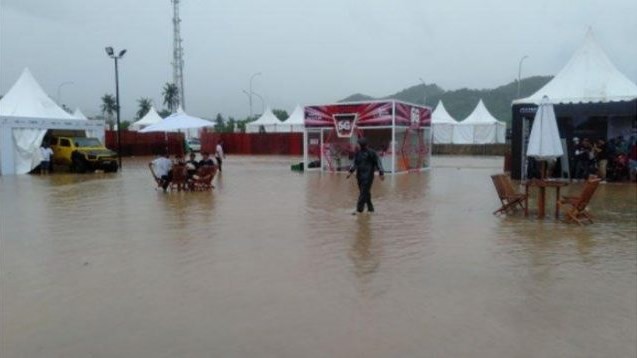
(442, 124)
(268, 121)
(544, 141)
(480, 127)
(295, 122)
(26, 99)
(151, 117)
(177, 121)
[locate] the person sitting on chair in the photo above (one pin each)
(161, 168)
(206, 160)
(192, 165)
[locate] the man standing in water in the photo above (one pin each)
(366, 162)
(219, 154)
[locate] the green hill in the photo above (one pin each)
(459, 103)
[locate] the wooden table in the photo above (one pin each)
(541, 200)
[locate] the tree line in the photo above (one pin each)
(170, 94)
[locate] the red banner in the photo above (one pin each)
(346, 117)
(412, 116)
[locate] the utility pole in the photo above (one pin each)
(178, 55)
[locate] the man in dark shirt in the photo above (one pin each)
(366, 162)
(192, 165)
(206, 160)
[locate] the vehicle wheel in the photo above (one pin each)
(111, 168)
(78, 166)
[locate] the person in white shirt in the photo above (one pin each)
(219, 154)
(46, 152)
(161, 169)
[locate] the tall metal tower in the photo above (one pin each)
(178, 55)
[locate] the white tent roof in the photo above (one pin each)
(295, 122)
(297, 117)
(177, 121)
(440, 115)
(151, 117)
(267, 118)
(589, 76)
(21, 140)
(77, 114)
(269, 122)
(27, 99)
(481, 115)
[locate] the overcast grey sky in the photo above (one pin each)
(309, 52)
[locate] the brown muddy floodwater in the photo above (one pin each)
(272, 264)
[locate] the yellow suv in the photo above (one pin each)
(82, 154)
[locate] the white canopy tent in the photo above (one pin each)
(192, 132)
(99, 134)
(443, 125)
(480, 127)
(295, 122)
(77, 114)
(589, 88)
(177, 121)
(151, 117)
(26, 113)
(589, 76)
(269, 122)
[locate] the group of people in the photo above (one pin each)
(612, 160)
(164, 169)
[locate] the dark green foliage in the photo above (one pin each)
(170, 92)
(281, 114)
(241, 124)
(220, 123)
(144, 104)
(357, 97)
(460, 103)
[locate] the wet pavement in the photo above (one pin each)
(273, 264)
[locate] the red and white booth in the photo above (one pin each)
(399, 132)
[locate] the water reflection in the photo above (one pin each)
(365, 251)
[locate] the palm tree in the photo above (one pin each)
(109, 107)
(144, 106)
(171, 96)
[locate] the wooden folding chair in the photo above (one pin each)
(203, 179)
(509, 197)
(179, 178)
(578, 211)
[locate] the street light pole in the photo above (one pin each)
(252, 78)
(258, 96)
(59, 88)
(520, 72)
(111, 53)
(262, 101)
(424, 91)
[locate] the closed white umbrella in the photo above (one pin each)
(544, 141)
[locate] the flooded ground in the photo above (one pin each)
(272, 264)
